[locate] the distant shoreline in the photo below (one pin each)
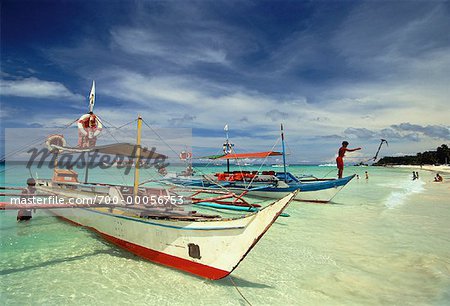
(442, 168)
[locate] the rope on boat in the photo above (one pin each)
(329, 172)
(176, 154)
(338, 192)
(117, 141)
(118, 128)
(219, 151)
(36, 141)
(264, 161)
(107, 130)
(237, 289)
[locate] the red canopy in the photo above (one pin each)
(250, 155)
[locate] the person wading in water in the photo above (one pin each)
(29, 192)
(340, 158)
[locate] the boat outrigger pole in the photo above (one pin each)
(284, 153)
(138, 157)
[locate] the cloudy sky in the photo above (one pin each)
(329, 70)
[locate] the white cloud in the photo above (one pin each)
(35, 88)
(7, 111)
(152, 44)
(209, 105)
(356, 72)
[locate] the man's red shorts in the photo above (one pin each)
(340, 162)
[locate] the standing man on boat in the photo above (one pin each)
(340, 158)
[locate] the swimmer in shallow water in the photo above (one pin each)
(438, 178)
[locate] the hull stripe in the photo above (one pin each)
(161, 258)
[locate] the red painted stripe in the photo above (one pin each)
(161, 258)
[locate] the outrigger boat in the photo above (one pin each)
(264, 184)
(209, 246)
(268, 184)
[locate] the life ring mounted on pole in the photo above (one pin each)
(185, 155)
(55, 140)
(89, 122)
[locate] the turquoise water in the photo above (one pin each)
(385, 240)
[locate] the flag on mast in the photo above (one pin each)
(92, 97)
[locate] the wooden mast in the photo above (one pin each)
(86, 174)
(91, 109)
(284, 153)
(138, 158)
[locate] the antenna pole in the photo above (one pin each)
(227, 149)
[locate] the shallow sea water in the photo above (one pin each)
(385, 240)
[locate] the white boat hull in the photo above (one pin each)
(221, 244)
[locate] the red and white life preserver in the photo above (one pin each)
(83, 131)
(55, 139)
(184, 155)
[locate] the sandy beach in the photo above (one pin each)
(441, 168)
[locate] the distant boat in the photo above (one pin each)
(328, 165)
(279, 165)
